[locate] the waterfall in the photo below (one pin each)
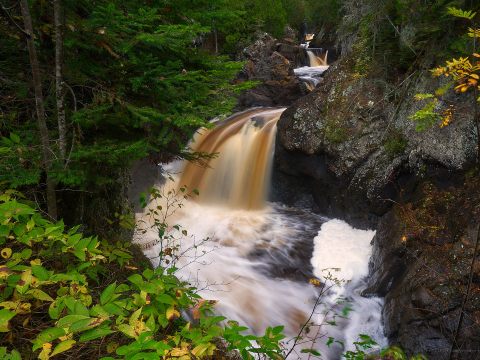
(253, 257)
(312, 75)
(317, 60)
(242, 172)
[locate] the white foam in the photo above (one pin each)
(343, 252)
(340, 246)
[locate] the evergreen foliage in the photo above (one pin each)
(139, 83)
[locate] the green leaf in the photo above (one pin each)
(5, 316)
(40, 272)
(56, 308)
(76, 307)
(39, 294)
(95, 334)
(311, 351)
(30, 224)
(15, 138)
(135, 316)
(4, 230)
(330, 341)
(114, 309)
(46, 336)
(136, 279)
(63, 346)
(82, 325)
(127, 330)
(464, 14)
(80, 253)
(108, 293)
(165, 299)
(68, 320)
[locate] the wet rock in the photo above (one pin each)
(370, 146)
(360, 156)
(271, 62)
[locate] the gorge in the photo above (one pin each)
(357, 177)
(256, 258)
(240, 180)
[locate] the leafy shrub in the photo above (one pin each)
(56, 293)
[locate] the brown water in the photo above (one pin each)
(240, 176)
(253, 257)
(317, 60)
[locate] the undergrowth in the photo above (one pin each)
(58, 298)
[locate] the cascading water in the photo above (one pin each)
(312, 75)
(258, 256)
(317, 60)
(242, 172)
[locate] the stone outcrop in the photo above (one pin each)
(354, 149)
(271, 62)
(358, 148)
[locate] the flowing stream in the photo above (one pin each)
(318, 63)
(257, 258)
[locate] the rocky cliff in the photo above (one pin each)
(271, 63)
(352, 146)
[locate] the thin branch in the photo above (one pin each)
(398, 32)
(465, 298)
(317, 301)
(12, 20)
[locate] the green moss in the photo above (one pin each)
(395, 144)
(335, 132)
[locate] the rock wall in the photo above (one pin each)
(271, 63)
(351, 145)
(358, 146)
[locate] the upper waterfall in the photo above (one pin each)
(317, 60)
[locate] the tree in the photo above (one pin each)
(40, 109)
(138, 75)
(59, 83)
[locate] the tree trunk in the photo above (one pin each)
(59, 85)
(40, 109)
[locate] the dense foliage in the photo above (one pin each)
(57, 297)
(117, 81)
(137, 83)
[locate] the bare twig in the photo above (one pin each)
(12, 20)
(465, 298)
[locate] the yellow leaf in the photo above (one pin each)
(63, 346)
(6, 253)
(203, 349)
(172, 313)
(36, 262)
(25, 322)
(178, 352)
(24, 308)
(111, 347)
(45, 353)
(4, 272)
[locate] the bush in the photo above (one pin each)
(58, 298)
